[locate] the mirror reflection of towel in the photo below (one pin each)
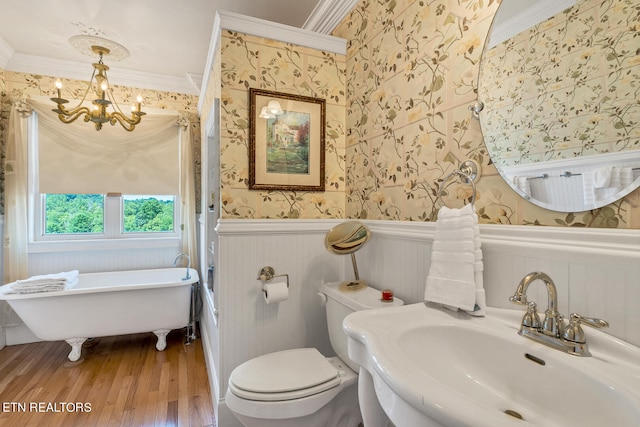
(602, 176)
(615, 178)
(522, 184)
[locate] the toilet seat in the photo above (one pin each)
(284, 375)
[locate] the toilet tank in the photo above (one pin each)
(340, 303)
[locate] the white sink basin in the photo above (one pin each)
(434, 367)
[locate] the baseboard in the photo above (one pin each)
(208, 354)
(224, 416)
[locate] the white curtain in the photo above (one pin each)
(16, 194)
(187, 192)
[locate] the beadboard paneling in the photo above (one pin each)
(248, 327)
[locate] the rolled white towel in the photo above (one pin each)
(46, 282)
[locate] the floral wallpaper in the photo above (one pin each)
(533, 113)
(412, 70)
(20, 86)
(247, 61)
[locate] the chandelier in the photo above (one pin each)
(98, 112)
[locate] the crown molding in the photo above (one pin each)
(328, 14)
(507, 27)
(280, 32)
(271, 30)
(33, 64)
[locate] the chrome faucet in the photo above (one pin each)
(552, 332)
(553, 320)
(187, 276)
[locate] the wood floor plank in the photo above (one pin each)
(122, 381)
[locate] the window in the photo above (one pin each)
(73, 213)
(87, 216)
(148, 214)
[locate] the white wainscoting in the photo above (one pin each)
(596, 272)
(246, 326)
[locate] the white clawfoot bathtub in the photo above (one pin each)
(110, 303)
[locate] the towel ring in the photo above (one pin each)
(467, 178)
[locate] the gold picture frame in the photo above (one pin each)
(286, 141)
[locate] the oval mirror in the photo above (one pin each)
(347, 238)
(560, 83)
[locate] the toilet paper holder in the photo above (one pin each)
(267, 273)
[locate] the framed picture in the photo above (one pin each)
(286, 141)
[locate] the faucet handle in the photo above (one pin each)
(531, 318)
(574, 333)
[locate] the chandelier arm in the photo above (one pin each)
(72, 115)
(127, 123)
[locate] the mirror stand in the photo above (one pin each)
(347, 238)
(354, 284)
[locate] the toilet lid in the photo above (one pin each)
(284, 375)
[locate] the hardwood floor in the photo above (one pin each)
(122, 381)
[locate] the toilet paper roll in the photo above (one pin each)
(276, 290)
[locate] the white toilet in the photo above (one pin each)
(301, 387)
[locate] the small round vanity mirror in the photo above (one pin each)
(347, 238)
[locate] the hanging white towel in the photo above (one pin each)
(455, 276)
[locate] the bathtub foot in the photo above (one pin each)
(162, 338)
(76, 348)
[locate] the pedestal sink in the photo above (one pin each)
(433, 367)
